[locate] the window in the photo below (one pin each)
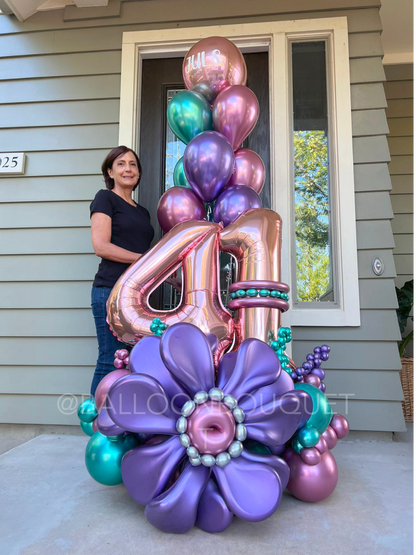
(310, 110)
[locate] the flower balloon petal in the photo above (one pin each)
(278, 464)
(257, 365)
(106, 425)
(187, 354)
(145, 359)
(252, 491)
(226, 368)
(213, 514)
(175, 510)
(277, 421)
(147, 469)
(268, 393)
(138, 403)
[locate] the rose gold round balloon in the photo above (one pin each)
(213, 64)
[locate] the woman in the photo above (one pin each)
(121, 232)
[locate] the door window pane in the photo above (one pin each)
(311, 175)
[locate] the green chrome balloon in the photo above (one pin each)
(308, 436)
(87, 410)
(179, 177)
(321, 409)
(86, 427)
(103, 457)
(256, 447)
(296, 446)
(189, 114)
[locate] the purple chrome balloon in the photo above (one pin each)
(234, 201)
(179, 204)
(235, 113)
(248, 170)
(340, 424)
(208, 162)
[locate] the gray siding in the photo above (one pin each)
(59, 101)
(399, 94)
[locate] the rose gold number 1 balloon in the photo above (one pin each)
(255, 239)
(193, 246)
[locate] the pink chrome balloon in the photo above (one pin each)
(322, 445)
(104, 386)
(211, 428)
(213, 64)
(118, 363)
(177, 205)
(313, 380)
(193, 246)
(249, 170)
(310, 456)
(340, 424)
(330, 437)
(235, 114)
(311, 483)
(95, 425)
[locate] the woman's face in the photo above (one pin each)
(125, 171)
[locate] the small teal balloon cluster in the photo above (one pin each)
(158, 327)
(279, 346)
(274, 293)
(87, 413)
(104, 454)
(309, 434)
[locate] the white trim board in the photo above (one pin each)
(273, 37)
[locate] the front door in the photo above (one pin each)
(160, 149)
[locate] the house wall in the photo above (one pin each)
(59, 102)
(399, 94)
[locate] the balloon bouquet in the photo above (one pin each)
(207, 417)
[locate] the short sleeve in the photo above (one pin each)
(102, 203)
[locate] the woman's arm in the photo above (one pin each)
(101, 241)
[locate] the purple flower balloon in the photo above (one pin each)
(234, 201)
(208, 163)
(248, 485)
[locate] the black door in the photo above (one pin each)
(159, 149)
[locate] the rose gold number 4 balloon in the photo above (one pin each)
(254, 239)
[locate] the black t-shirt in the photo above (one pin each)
(130, 229)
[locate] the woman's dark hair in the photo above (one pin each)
(108, 164)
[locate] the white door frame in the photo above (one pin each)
(274, 38)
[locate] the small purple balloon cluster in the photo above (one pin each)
(311, 372)
(213, 167)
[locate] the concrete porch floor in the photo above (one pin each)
(50, 505)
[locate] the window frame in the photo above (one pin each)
(276, 38)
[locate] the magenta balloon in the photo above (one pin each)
(118, 363)
(310, 456)
(208, 163)
(312, 483)
(104, 386)
(234, 201)
(235, 113)
(249, 170)
(95, 425)
(179, 204)
(322, 445)
(313, 380)
(330, 437)
(340, 424)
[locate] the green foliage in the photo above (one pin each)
(311, 214)
(405, 300)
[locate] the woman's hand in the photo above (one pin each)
(101, 241)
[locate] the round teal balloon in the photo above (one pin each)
(87, 410)
(86, 427)
(189, 114)
(256, 447)
(103, 457)
(321, 409)
(296, 446)
(179, 177)
(308, 436)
